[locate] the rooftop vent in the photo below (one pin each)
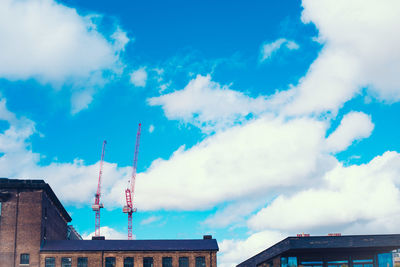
(98, 238)
(207, 236)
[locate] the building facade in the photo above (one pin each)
(328, 251)
(34, 232)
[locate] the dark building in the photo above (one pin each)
(328, 251)
(34, 232)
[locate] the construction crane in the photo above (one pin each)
(97, 205)
(130, 191)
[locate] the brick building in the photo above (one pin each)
(34, 232)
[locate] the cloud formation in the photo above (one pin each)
(139, 77)
(359, 51)
(208, 105)
(53, 44)
(268, 49)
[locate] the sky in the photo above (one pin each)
(260, 119)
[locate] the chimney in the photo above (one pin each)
(207, 236)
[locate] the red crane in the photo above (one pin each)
(130, 191)
(97, 205)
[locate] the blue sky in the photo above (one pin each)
(261, 119)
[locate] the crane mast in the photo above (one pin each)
(97, 205)
(130, 191)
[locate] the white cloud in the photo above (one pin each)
(108, 233)
(268, 49)
(150, 219)
(208, 105)
(52, 43)
(360, 50)
(234, 213)
(139, 77)
(359, 195)
(233, 252)
(354, 126)
(247, 160)
(151, 128)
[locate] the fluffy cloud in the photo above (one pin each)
(208, 105)
(52, 43)
(360, 50)
(139, 77)
(232, 251)
(268, 49)
(354, 126)
(243, 161)
(358, 195)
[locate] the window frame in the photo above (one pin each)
(82, 264)
(148, 258)
(166, 262)
(65, 264)
(130, 265)
(180, 264)
(113, 263)
(202, 264)
(21, 259)
(46, 264)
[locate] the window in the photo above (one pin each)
(312, 263)
(110, 261)
(128, 262)
(24, 259)
(200, 262)
(363, 263)
(183, 262)
(49, 262)
(148, 262)
(66, 262)
(338, 263)
(289, 262)
(385, 260)
(82, 262)
(166, 262)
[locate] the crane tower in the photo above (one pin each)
(130, 191)
(97, 205)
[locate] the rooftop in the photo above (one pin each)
(131, 245)
(6, 183)
(322, 243)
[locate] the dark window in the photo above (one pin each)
(183, 262)
(82, 262)
(128, 262)
(66, 262)
(110, 262)
(200, 262)
(166, 262)
(49, 262)
(24, 259)
(148, 262)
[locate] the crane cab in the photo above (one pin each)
(128, 209)
(97, 207)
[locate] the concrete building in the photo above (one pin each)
(34, 232)
(328, 251)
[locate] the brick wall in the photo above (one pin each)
(54, 226)
(23, 225)
(95, 259)
(7, 229)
